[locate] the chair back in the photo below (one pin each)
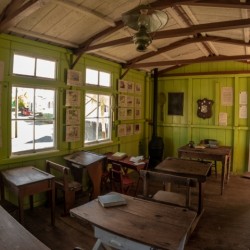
(173, 198)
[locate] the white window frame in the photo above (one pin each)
(98, 83)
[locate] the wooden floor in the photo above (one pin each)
(225, 224)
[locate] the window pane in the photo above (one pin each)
(104, 106)
(104, 79)
(91, 105)
(90, 130)
(24, 65)
(45, 68)
(103, 129)
(92, 76)
(33, 119)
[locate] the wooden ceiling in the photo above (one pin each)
(197, 30)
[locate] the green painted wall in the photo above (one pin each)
(179, 130)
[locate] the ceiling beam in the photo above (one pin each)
(193, 30)
(17, 15)
(190, 61)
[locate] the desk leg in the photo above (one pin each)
(228, 164)
(52, 202)
(95, 174)
(20, 208)
(201, 197)
(224, 162)
(31, 202)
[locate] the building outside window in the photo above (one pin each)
(32, 119)
(97, 108)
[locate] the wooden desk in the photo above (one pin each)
(92, 162)
(140, 224)
(222, 153)
(28, 181)
(126, 163)
(193, 169)
(15, 236)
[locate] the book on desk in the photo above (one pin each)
(112, 200)
(119, 155)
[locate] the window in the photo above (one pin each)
(96, 77)
(97, 118)
(31, 66)
(32, 119)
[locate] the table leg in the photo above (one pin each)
(31, 202)
(228, 164)
(201, 197)
(95, 174)
(52, 201)
(20, 208)
(224, 162)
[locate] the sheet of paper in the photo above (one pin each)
(243, 98)
(227, 96)
(243, 112)
(223, 119)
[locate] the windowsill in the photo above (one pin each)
(99, 144)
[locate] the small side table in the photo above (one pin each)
(28, 181)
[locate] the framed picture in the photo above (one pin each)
(130, 114)
(72, 133)
(73, 98)
(73, 116)
(122, 113)
(130, 101)
(122, 100)
(122, 86)
(121, 130)
(137, 128)
(138, 114)
(138, 88)
(130, 87)
(129, 129)
(138, 102)
(175, 103)
(74, 78)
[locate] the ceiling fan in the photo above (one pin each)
(145, 21)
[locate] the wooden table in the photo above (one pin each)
(92, 162)
(222, 154)
(27, 181)
(126, 163)
(140, 224)
(188, 168)
(15, 236)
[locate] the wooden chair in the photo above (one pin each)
(64, 183)
(182, 199)
(120, 181)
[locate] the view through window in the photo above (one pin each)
(32, 119)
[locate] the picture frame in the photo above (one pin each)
(122, 100)
(73, 98)
(129, 129)
(130, 101)
(138, 88)
(122, 86)
(72, 133)
(73, 116)
(122, 113)
(175, 103)
(130, 113)
(121, 130)
(138, 102)
(137, 128)
(138, 113)
(130, 87)
(74, 78)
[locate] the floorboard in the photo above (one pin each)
(224, 225)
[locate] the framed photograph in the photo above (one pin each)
(130, 87)
(122, 100)
(73, 98)
(74, 78)
(137, 128)
(122, 113)
(138, 88)
(175, 103)
(122, 86)
(130, 101)
(129, 129)
(138, 114)
(121, 130)
(72, 133)
(73, 116)
(130, 114)
(138, 102)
